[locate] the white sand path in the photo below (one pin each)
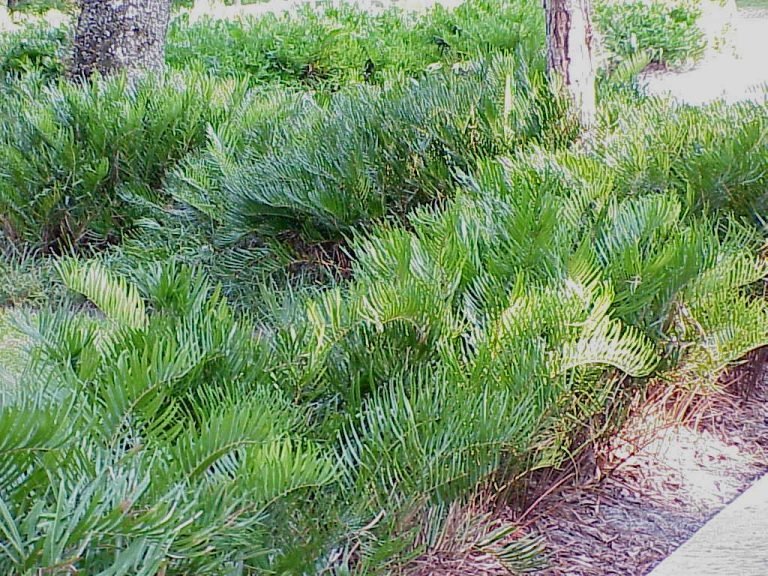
(737, 73)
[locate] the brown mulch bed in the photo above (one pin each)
(662, 481)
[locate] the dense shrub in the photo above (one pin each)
(369, 153)
(71, 155)
(667, 31)
(501, 308)
(39, 50)
(505, 283)
(156, 442)
(41, 6)
(712, 156)
(468, 346)
(344, 44)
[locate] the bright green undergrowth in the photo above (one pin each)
(666, 31)
(161, 429)
(36, 50)
(340, 45)
(331, 47)
(292, 333)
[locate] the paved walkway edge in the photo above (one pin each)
(733, 543)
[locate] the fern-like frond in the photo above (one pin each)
(114, 297)
(610, 343)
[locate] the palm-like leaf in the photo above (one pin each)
(114, 297)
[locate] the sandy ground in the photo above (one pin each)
(738, 73)
(9, 23)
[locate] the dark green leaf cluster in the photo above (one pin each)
(291, 164)
(72, 154)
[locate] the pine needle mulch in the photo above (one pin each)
(658, 481)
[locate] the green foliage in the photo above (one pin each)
(73, 156)
(500, 284)
(38, 50)
(161, 430)
(713, 157)
(26, 280)
(344, 44)
(370, 153)
(667, 31)
(154, 443)
(505, 310)
(42, 6)
(338, 45)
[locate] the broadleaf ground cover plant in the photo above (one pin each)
(667, 31)
(196, 394)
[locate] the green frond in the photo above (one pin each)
(29, 434)
(519, 555)
(119, 301)
(723, 327)
(634, 222)
(279, 469)
(610, 343)
(215, 446)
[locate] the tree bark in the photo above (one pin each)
(569, 54)
(120, 36)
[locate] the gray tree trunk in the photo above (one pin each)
(120, 35)
(569, 54)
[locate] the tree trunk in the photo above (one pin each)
(120, 35)
(569, 54)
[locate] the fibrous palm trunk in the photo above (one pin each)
(120, 35)
(569, 54)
